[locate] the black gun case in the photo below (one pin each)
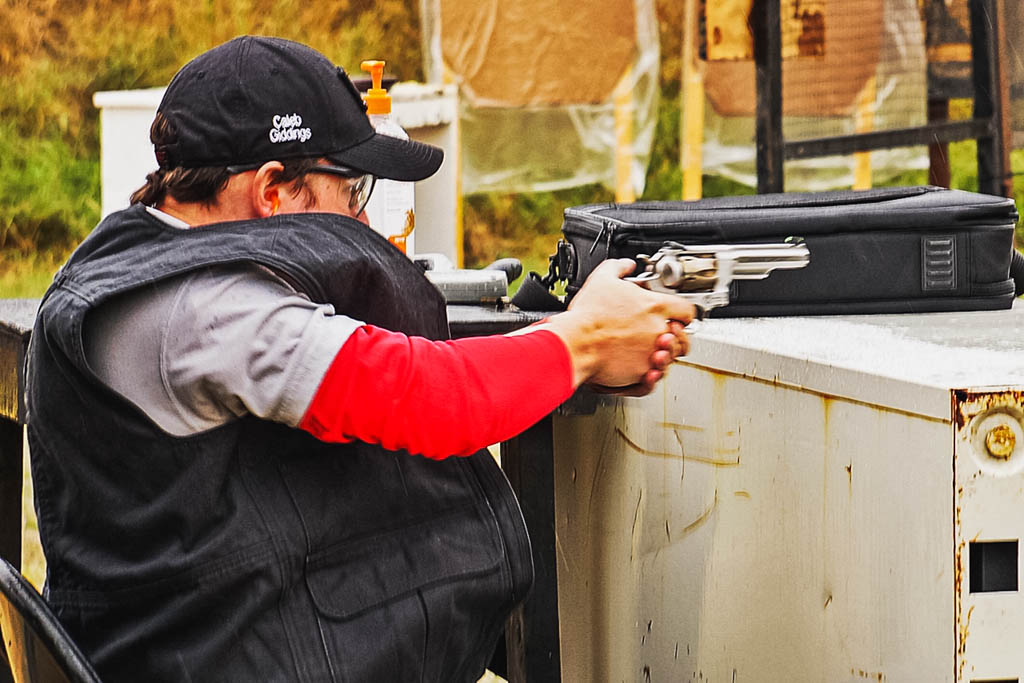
(886, 250)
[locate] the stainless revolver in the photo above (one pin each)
(702, 273)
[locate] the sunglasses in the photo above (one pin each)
(359, 190)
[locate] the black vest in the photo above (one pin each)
(254, 552)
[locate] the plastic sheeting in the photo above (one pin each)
(552, 95)
(893, 96)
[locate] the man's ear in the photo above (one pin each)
(266, 189)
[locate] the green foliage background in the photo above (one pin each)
(54, 54)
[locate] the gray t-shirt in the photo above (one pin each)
(198, 350)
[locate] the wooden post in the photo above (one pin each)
(16, 318)
(691, 126)
(531, 636)
(864, 123)
(623, 107)
(11, 478)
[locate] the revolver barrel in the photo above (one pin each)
(704, 272)
(757, 261)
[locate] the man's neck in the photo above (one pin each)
(197, 213)
(231, 204)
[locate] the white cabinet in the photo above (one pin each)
(802, 500)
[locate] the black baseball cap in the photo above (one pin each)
(256, 99)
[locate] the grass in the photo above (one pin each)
(27, 276)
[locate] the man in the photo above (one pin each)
(244, 418)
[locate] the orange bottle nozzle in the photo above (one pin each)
(377, 99)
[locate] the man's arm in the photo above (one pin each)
(200, 350)
(438, 398)
(454, 397)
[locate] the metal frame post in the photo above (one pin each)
(990, 125)
(766, 26)
(938, 152)
(531, 636)
(991, 95)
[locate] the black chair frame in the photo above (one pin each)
(38, 649)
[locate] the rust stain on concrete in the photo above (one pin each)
(678, 426)
(704, 516)
(675, 456)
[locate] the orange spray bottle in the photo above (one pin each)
(392, 207)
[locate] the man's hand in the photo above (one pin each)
(622, 337)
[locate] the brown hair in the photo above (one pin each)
(203, 184)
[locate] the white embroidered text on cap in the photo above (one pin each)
(287, 129)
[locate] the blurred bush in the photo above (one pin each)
(54, 54)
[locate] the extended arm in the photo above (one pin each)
(454, 397)
(438, 398)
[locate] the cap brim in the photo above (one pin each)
(389, 157)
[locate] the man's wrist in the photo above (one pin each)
(577, 333)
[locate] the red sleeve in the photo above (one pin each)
(438, 398)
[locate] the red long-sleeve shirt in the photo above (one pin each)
(438, 398)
